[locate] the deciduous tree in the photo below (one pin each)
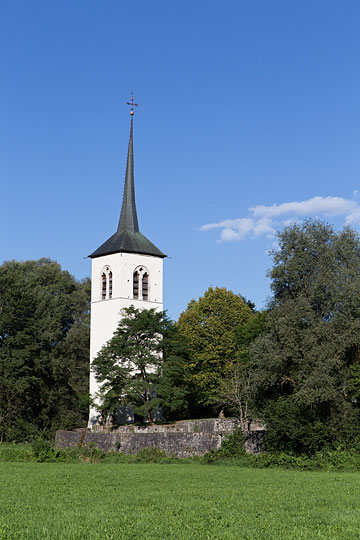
(234, 390)
(142, 366)
(305, 361)
(210, 324)
(44, 347)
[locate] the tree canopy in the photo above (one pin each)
(295, 366)
(44, 348)
(210, 324)
(304, 380)
(234, 390)
(142, 366)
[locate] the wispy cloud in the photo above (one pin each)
(264, 220)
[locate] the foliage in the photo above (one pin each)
(150, 455)
(142, 366)
(90, 453)
(293, 428)
(231, 453)
(306, 364)
(234, 391)
(15, 452)
(355, 375)
(210, 324)
(232, 447)
(246, 333)
(325, 460)
(44, 345)
(43, 450)
(174, 389)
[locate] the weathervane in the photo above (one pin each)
(132, 104)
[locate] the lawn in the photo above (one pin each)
(51, 501)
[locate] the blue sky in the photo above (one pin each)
(249, 118)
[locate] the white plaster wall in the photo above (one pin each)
(105, 314)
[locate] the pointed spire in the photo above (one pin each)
(128, 238)
(128, 217)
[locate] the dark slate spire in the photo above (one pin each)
(128, 238)
(128, 217)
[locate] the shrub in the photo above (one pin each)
(293, 429)
(43, 450)
(232, 447)
(90, 452)
(15, 452)
(150, 455)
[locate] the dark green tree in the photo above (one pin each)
(174, 388)
(142, 366)
(234, 390)
(44, 349)
(305, 379)
(210, 324)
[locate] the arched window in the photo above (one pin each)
(141, 283)
(103, 286)
(106, 283)
(136, 285)
(110, 284)
(145, 286)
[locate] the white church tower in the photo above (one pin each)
(127, 270)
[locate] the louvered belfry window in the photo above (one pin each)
(110, 284)
(103, 286)
(141, 283)
(136, 285)
(145, 286)
(106, 283)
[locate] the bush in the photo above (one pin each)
(325, 460)
(231, 452)
(90, 452)
(15, 452)
(293, 429)
(232, 447)
(150, 455)
(44, 451)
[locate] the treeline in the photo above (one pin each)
(294, 366)
(44, 349)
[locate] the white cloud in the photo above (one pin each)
(353, 217)
(264, 220)
(330, 206)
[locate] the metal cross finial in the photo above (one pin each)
(132, 104)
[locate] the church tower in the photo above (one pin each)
(126, 270)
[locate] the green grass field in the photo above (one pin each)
(51, 501)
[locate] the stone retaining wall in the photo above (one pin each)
(183, 439)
